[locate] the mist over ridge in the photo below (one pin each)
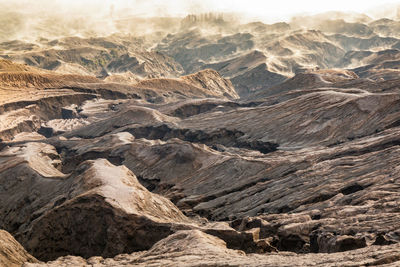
(51, 19)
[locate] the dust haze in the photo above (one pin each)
(30, 20)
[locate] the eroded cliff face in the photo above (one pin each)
(12, 253)
(247, 147)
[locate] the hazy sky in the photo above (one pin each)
(267, 9)
(285, 8)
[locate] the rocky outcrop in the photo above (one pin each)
(310, 194)
(192, 48)
(212, 81)
(55, 213)
(256, 80)
(52, 214)
(33, 100)
(248, 73)
(312, 185)
(12, 254)
(207, 83)
(128, 218)
(319, 118)
(146, 64)
(205, 157)
(194, 248)
(309, 79)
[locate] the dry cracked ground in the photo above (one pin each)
(263, 146)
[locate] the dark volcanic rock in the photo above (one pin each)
(194, 248)
(330, 243)
(59, 211)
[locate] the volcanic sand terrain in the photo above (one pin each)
(256, 145)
